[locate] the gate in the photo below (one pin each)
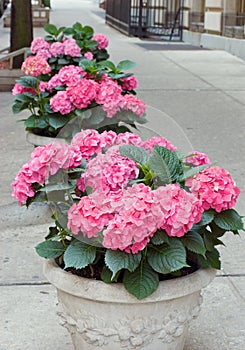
(147, 18)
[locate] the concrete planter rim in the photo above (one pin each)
(38, 140)
(116, 293)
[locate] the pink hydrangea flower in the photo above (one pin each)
(89, 56)
(88, 141)
(108, 95)
(129, 83)
(44, 54)
(176, 210)
(39, 44)
(35, 65)
(132, 103)
(198, 158)
(82, 93)
(108, 138)
(158, 141)
(133, 223)
(90, 215)
(45, 161)
(67, 75)
(43, 86)
(128, 138)
(61, 103)
(19, 89)
(215, 188)
(109, 173)
(57, 49)
(21, 187)
(71, 48)
(102, 41)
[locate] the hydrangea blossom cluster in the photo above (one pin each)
(67, 47)
(35, 66)
(215, 187)
(102, 40)
(45, 161)
(81, 91)
(120, 206)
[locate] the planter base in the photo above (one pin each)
(102, 316)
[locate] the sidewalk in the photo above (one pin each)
(197, 100)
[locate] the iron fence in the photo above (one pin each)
(146, 18)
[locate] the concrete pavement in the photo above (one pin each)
(196, 99)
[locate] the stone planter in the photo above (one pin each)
(102, 316)
(38, 140)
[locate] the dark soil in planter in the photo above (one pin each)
(94, 271)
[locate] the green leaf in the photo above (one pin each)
(39, 197)
(160, 237)
(213, 258)
(142, 282)
(68, 31)
(211, 240)
(77, 26)
(117, 260)
(26, 97)
(135, 153)
(107, 64)
(97, 117)
(229, 220)
(57, 121)
(83, 114)
(53, 232)
(165, 164)
(50, 249)
(88, 31)
(51, 29)
(28, 81)
(87, 65)
(63, 61)
(208, 238)
(56, 187)
(79, 255)
(116, 76)
(35, 122)
(125, 65)
(194, 242)
(192, 172)
(49, 38)
(19, 106)
(106, 275)
(101, 55)
(207, 217)
(61, 215)
(167, 258)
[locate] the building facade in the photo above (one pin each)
(218, 24)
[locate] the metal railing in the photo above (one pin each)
(9, 56)
(145, 18)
